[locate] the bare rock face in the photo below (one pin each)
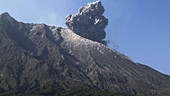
(89, 22)
(42, 60)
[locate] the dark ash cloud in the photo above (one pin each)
(89, 22)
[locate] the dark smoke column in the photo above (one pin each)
(89, 22)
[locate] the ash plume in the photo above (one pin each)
(89, 22)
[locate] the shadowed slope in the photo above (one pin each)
(48, 59)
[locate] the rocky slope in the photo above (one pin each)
(38, 57)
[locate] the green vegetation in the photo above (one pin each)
(80, 91)
(77, 91)
(73, 91)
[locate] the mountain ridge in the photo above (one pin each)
(38, 57)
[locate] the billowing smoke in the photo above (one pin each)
(89, 22)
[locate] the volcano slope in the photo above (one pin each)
(49, 60)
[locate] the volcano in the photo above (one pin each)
(52, 61)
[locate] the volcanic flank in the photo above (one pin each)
(42, 60)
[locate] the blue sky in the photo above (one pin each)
(139, 29)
